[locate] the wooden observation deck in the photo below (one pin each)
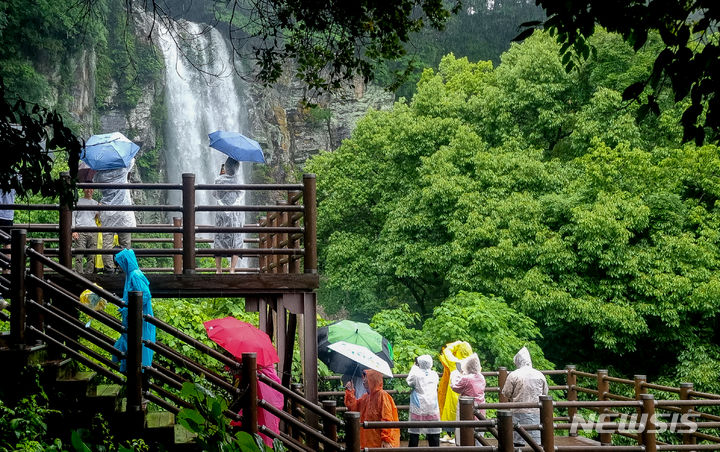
(280, 245)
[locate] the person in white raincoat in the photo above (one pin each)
(232, 219)
(423, 400)
(525, 384)
(108, 218)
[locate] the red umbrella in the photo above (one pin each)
(239, 337)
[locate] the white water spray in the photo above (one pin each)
(201, 96)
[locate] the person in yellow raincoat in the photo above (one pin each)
(375, 405)
(447, 398)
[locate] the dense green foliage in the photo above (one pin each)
(689, 60)
(540, 187)
(214, 433)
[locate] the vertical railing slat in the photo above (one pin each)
(310, 223)
(188, 220)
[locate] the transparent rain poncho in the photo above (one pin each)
(524, 384)
(423, 399)
(115, 197)
(227, 240)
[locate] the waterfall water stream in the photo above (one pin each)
(202, 95)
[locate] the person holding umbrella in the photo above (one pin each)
(227, 240)
(111, 155)
(376, 405)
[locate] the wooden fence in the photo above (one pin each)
(286, 232)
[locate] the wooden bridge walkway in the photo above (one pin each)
(46, 327)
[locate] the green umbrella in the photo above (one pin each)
(357, 333)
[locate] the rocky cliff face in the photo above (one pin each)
(291, 131)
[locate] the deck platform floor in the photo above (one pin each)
(559, 441)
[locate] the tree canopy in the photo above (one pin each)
(537, 186)
(689, 63)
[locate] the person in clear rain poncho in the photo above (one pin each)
(467, 381)
(525, 384)
(109, 219)
(423, 400)
(135, 280)
(227, 240)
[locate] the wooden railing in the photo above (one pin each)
(44, 312)
(632, 412)
(286, 234)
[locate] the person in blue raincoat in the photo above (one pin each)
(135, 280)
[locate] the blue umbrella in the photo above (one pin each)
(109, 151)
(237, 146)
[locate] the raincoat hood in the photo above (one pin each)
(424, 362)
(522, 358)
(374, 380)
(470, 365)
(127, 261)
(134, 278)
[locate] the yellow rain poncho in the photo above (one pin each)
(447, 398)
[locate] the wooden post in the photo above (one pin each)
(310, 222)
(330, 428)
(262, 243)
(249, 401)
(135, 414)
(65, 237)
(188, 220)
(289, 348)
(18, 239)
(280, 338)
(547, 434)
(295, 410)
(502, 377)
(38, 270)
(283, 239)
(467, 413)
(571, 393)
(177, 244)
(310, 361)
(603, 387)
(505, 431)
(352, 431)
(640, 389)
(685, 388)
(274, 219)
(648, 415)
(293, 263)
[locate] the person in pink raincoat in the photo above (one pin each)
(467, 381)
(273, 397)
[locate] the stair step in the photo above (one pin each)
(159, 419)
(77, 377)
(106, 391)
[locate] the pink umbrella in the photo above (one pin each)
(238, 337)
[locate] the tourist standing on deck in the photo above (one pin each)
(467, 381)
(376, 405)
(110, 219)
(87, 240)
(135, 280)
(423, 400)
(525, 384)
(227, 240)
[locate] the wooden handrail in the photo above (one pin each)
(297, 397)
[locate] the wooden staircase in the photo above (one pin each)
(80, 399)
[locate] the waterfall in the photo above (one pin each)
(202, 95)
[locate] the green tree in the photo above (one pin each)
(504, 182)
(686, 64)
